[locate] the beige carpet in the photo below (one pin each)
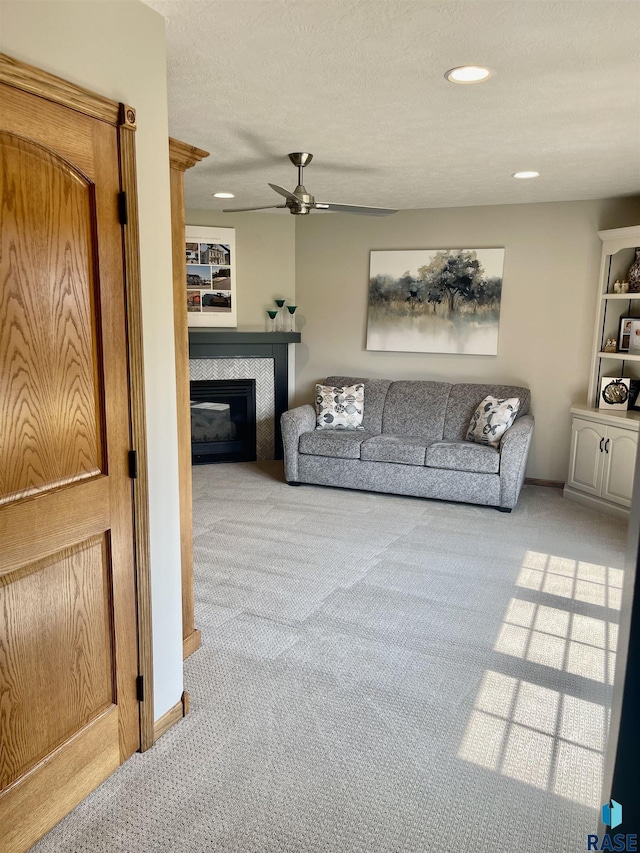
(378, 674)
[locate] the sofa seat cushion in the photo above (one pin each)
(463, 456)
(339, 443)
(406, 450)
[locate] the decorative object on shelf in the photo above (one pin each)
(435, 300)
(271, 320)
(634, 338)
(614, 393)
(633, 276)
(624, 287)
(280, 318)
(634, 395)
(211, 276)
(624, 334)
(617, 286)
(291, 318)
(610, 345)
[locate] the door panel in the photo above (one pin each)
(64, 642)
(48, 342)
(620, 455)
(585, 466)
(39, 800)
(68, 635)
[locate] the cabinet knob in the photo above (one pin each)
(606, 445)
(601, 440)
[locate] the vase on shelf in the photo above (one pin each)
(280, 323)
(272, 321)
(291, 318)
(633, 276)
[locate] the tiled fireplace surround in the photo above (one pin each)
(263, 356)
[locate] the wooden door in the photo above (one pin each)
(68, 635)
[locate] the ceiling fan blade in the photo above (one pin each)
(244, 209)
(285, 193)
(355, 208)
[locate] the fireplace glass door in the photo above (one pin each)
(223, 420)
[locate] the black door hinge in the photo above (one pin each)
(122, 208)
(140, 688)
(133, 464)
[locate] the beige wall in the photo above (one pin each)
(118, 49)
(265, 245)
(548, 302)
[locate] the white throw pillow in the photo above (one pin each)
(339, 408)
(492, 419)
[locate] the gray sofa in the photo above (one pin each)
(413, 443)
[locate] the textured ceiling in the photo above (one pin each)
(359, 84)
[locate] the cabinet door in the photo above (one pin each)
(585, 465)
(619, 465)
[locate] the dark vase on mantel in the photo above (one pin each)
(633, 276)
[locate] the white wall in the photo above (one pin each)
(547, 314)
(265, 248)
(117, 49)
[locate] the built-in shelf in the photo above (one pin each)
(627, 296)
(604, 439)
(631, 417)
(620, 356)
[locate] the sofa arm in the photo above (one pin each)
(292, 424)
(514, 450)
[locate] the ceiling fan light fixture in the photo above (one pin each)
(526, 175)
(223, 195)
(468, 74)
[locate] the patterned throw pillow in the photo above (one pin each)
(492, 419)
(339, 408)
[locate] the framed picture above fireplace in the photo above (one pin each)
(211, 276)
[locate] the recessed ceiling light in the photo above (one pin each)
(525, 175)
(223, 195)
(468, 74)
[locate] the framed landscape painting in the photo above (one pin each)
(435, 300)
(211, 276)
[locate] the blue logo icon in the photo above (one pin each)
(612, 814)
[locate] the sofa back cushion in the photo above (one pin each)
(375, 393)
(464, 400)
(416, 408)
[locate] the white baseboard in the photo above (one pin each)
(595, 503)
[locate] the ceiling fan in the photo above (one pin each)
(300, 202)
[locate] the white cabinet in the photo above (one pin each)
(604, 440)
(602, 460)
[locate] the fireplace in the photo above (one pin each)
(223, 420)
(216, 354)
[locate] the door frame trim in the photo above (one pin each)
(33, 80)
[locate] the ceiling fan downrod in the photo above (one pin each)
(300, 159)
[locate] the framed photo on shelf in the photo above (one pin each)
(210, 289)
(625, 333)
(634, 338)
